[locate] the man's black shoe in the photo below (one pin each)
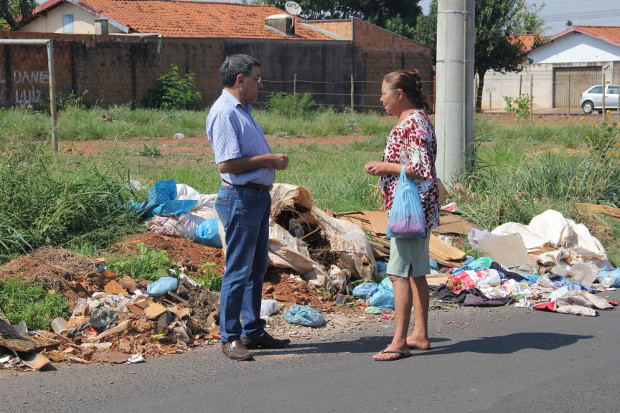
(264, 341)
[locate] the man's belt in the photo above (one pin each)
(250, 185)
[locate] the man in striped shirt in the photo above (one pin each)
(247, 168)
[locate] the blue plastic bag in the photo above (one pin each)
(162, 201)
(383, 297)
(304, 315)
(407, 215)
(162, 286)
(609, 277)
(207, 233)
(364, 290)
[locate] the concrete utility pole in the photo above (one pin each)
(454, 107)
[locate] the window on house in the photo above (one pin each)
(67, 23)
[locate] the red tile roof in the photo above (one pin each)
(186, 18)
(528, 40)
(608, 34)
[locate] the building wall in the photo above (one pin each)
(111, 69)
(323, 68)
(342, 28)
(83, 21)
(384, 52)
(106, 70)
(498, 85)
(575, 47)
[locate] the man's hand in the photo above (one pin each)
(279, 161)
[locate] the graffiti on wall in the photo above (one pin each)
(27, 87)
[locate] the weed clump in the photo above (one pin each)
(147, 264)
(46, 202)
(290, 105)
(32, 304)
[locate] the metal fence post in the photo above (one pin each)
(531, 97)
(352, 94)
(568, 110)
(603, 97)
(52, 82)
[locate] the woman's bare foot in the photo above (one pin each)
(418, 344)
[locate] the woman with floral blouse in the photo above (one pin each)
(411, 144)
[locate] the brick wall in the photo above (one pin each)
(105, 69)
(112, 70)
(340, 27)
(385, 52)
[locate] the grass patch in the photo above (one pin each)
(31, 303)
(79, 202)
(146, 263)
(60, 202)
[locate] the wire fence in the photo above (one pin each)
(554, 92)
(350, 94)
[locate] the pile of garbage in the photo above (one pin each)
(316, 258)
(325, 250)
(552, 264)
(114, 318)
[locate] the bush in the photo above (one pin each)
(46, 202)
(604, 140)
(31, 303)
(521, 105)
(173, 91)
(290, 105)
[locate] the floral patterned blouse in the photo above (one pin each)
(413, 143)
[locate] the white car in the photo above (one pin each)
(592, 99)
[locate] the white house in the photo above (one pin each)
(560, 69)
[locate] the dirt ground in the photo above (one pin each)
(200, 144)
(192, 144)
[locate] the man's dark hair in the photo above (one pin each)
(234, 65)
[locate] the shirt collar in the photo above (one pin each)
(232, 99)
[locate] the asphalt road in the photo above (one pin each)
(483, 360)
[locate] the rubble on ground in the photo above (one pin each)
(319, 260)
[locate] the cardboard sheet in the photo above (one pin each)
(508, 250)
(454, 224)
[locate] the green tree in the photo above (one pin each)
(528, 20)
(495, 46)
(398, 14)
(11, 10)
(425, 31)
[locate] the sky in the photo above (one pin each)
(581, 12)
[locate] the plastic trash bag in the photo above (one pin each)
(481, 263)
(207, 234)
(304, 315)
(406, 218)
(609, 278)
(162, 286)
(381, 267)
(377, 295)
(383, 297)
(268, 307)
(364, 290)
